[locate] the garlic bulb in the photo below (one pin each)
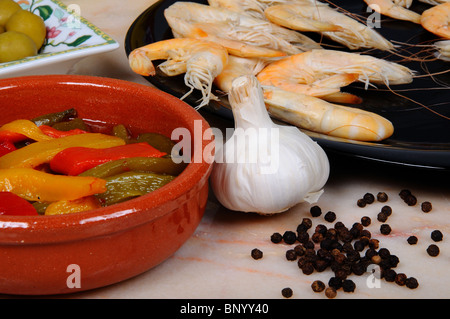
(264, 167)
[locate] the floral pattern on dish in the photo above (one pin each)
(67, 31)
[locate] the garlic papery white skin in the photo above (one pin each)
(264, 167)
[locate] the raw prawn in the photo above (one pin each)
(201, 61)
(228, 25)
(320, 116)
(393, 10)
(302, 15)
(437, 20)
(326, 71)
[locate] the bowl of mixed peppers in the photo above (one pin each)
(93, 186)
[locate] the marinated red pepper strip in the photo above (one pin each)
(11, 204)
(38, 153)
(75, 160)
(52, 132)
(6, 147)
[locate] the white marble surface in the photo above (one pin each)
(216, 262)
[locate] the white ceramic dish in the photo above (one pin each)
(70, 38)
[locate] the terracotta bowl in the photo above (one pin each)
(76, 252)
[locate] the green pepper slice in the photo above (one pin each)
(76, 123)
(129, 185)
(53, 118)
(158, 141)
(157, 165)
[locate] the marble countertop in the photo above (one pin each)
(216, 261)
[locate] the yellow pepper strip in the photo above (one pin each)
(34, 185)
(26, 128)
(38, 153)
(73, 206)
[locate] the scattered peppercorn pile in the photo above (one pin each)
(347, 250)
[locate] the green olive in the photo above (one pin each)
(28, 23)
(7, 9)
(15, 46)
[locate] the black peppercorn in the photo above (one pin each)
(426, 207)
(309, 245)
(365, 221)
(287, 292)
(315, 211)
(291, 255)
(386, 210)
(321, 229)
(384, 253)
(308, 268)
(353, 255)
(412, 283)
(361, 203)
(317, 237)
(359, 245)
(366, 233)
(376, 259)
(318, 286)
(303, 237)
(404, 193)
(400, 279)
(436, 235)
(393, 261)
(335, 283)
(370, 253)
(339, 225)
(369, 198)
(330, 216)
(257, 254)
(276, 238)
(433, 250)
(299, 250)
(412, 240)
(374, 243)
(359, 268)
(382, 197)
(307, 222)
(385, 229)
(320, 265)
(389, 275)
(330, 293)
(348, 285)
(382, 217)
(410, 200)
(289, 237)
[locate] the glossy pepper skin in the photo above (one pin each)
(20, 130)
(72, 206)
(34, 185)
(54, 133)
(125, 186)
(11, 204)
(6, 147)
(158, 165)
(38, 153)
(75, 160)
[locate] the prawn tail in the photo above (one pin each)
(140, 63)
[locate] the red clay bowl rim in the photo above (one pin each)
(28, 229)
